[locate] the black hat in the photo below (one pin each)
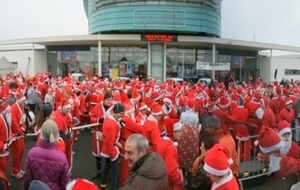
(47, 110)
(118, 108)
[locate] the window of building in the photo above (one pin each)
(291, 72)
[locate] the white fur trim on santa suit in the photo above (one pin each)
(270, 149)
(285, 130)
(168, 100)
(215, 171)
(224, 106)
(157, 113)
(22, 99)
(130, 110)
(178, 126)
(259, 113)
(64, 107)
(136, 98)
(288, 102)
(143, 107)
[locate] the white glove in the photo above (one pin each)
(5, 148)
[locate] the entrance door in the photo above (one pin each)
(64, 69)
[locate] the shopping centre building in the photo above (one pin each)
(159, 38)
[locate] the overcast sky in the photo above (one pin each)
(270, 21)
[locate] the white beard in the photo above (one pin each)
(274, 163)
(286, 146)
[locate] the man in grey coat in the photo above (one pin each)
(35, 102)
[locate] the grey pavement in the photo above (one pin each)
(84, 164)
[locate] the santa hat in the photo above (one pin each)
(20, 97)
(224, 102)
(148, 91)
(268, 140)
(167, 99)
(117, 97)
(170, 128)
(128, 108)
(156, 109)
(283, 127)
(65, 104)
(93, 99)
(288, 101)
(80, 184)
(217, 161)
(135, 94)
(190, 103)
(143, 106)
(156, 95)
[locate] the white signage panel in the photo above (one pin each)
(213, 66)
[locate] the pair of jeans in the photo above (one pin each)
(107, 164)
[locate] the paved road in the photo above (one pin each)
(84, 164)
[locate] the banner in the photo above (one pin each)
(68, 56)
(213, 66)
(113, 73)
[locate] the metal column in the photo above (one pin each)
(99, 58)
(213, 59)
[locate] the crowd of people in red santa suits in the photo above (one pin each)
(150, 108)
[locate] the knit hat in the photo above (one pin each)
(47, 110)
(224, 102)
(49, 131)
(268, 140)
(80, 184)
(118, 108)
(283, 127)
(217, 161)
(156, 109)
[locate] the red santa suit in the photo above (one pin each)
(167, 150)
(288, 148)
(18, 119)
(150, 129)
(97, 112)
(111, 131)
(275, 104)
(268, 119)
(130, 128)
(254, 123)
(226, 120)
(5, 134)
(241, 132)
(217, 163)
(287, 114)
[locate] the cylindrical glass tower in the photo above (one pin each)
(184, 17)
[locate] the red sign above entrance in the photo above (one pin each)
(159, 38)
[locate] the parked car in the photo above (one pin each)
(77, 76)
(206, 81)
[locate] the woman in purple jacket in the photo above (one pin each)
(45, 162)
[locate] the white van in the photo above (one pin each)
(78, 76)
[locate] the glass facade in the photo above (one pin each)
(128, 60)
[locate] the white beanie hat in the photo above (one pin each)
(49, 131)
